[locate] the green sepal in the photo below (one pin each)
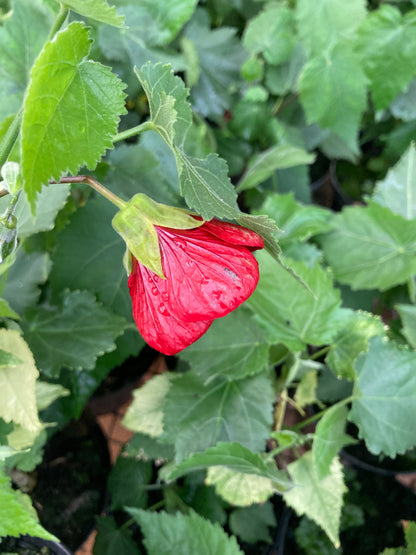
(8, 236)
(10, 172)
(135, 223)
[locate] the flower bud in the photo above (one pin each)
(8, 236)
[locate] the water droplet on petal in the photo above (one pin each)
(155, 290)
(156, 279)
(150, 279)
(181, 243)
(165, 296)
(163, 310)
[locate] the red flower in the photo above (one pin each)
(209, 272)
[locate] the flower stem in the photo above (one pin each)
(120, 203)
(146, 126)
(10, 137)
(59, 21)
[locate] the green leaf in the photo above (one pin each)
(386, 43)
(9, 359)
(72, 108)
(233, 347)
(185, 534)
(295, 220)
(112, 540)
(233, 456)
(404, 105)
(6, 311)
(47, 393)
(170, 111)
(15, 518)
(96, 9)
(21, 39)
(306, 389)
(397, 191)
(206, 186)
(22, 286)
(252, 524)
(220, 55)
(127, 481)
(17, 383)
(329, 439)
(288, 311)
(351, 340)
(271, 33)
(72, 334)
(198, 415)
(319, 499)
(366, 243)
(263, 165)
(331, 85)
(143, 447)
(145, 413)
(89, 255)
(408, 315)
(385, 397)
(265, 227)
(239, 488)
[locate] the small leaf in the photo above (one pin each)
(387, 40)
(263, 165)
(319, 499)
(234, 347)
(145, 414)
(67, 91)
(15, 518)
(198, 416)
(96, 9)
(127, 481)
(17, 382)
(72, 334)
(408, 315)
(47, 393)
(6, 311)
(239, 488)
(397, 191)
(320, 82)
(232, 456)
(112, 540)
(288, 311)
(185, 534)
(366, 243)
(385, 397)
(329, 439)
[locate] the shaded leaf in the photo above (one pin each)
(72, 334)
(112, 540)
(408, 316)
(252, 524)
(61, 130)
(385, 397)
(366, 243)
(96, 9)
(185, 534)
(126, 483)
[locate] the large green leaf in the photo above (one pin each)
(89, 255)
(397, 191)
(234, 347)
(331, 85)
(271, 33)
(277, 157)
(24, 278)
(351, 340)
(17, 383)
(319, 499)
(290, 313)
(185, 534)
(112, 540)
(220, 56)
(21, 39)
(127, 483)
(408, 315)
(96, 9)
(323, 23)
(233, 456)
(198, 416)
(72, 108)
(15, 517)
(385, 398)
(72, 334)
(370, 247)
(387, 41)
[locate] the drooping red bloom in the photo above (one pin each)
(210, 270)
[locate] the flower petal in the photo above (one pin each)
(206, 278)
(161, 329)
(234, 234)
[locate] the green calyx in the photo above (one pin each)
(136, 222)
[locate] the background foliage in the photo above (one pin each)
(294, 114)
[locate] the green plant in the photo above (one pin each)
(281, 93)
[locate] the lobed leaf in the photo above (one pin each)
(99, 10)
(72, 108)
